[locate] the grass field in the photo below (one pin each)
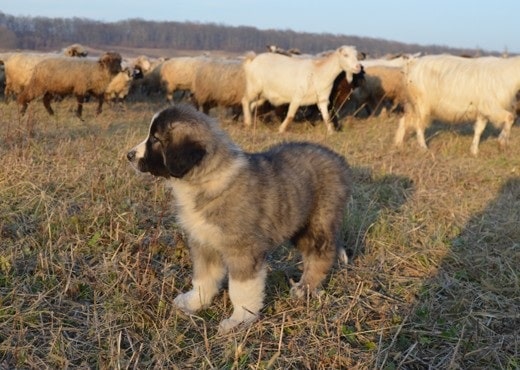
(91, 257)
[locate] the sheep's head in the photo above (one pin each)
(111, 61)
(348, 59)
(75, 50)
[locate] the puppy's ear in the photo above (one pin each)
(181, 157)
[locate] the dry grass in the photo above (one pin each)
(91, 257)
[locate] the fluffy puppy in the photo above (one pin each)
(235, 206)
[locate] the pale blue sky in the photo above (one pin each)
(491, 26)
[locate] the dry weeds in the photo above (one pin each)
(91, 257)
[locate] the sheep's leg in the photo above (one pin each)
(420, 122)
(47, 103)
(23, 105)
(419, 132)
(506, 129)
(478, 128)
(293, 107)
(401, 131)
(324, 110)
(246, 109)
(101, 99)
(79, 110)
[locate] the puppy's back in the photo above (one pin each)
(299, 181)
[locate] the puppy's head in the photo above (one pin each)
(175, 144)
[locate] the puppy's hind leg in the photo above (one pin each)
(208, 273)
(319, 252)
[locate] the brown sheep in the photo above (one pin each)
(19, 66)
(147, 79)
(382, 84)
(218, 82)
(75, 50)
(71, 76)
(18, 70)
(179, 74)
(119, 87)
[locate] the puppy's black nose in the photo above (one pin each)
(131, 155)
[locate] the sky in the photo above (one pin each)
(471, 24)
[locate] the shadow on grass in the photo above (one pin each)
(468, 315)
(463, 129)
(371, 196)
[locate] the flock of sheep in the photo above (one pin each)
(445, 87)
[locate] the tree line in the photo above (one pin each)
(43, 33)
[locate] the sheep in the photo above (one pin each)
(455, 89)
(147, 78)
(398, 61)
(6, 55)
(19, 67)
(75, 50)
(281, 79)
(343, 90)
(18, 71)
(221, 82)
(382, 83)
(179, 73)
(119, 86)
(218, 82)
(62, 76)
(279, 50)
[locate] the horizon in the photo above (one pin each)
(460, 25)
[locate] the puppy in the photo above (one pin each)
(235, 206)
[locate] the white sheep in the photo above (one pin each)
(455, 89)
(298, 81)
(61, 76)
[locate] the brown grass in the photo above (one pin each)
(91, 257)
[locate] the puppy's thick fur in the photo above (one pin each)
(236, 206)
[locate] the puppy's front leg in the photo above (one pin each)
(247, 297)
(208, 273)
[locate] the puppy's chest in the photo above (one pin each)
(196, 220)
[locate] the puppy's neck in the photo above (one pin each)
(212, 183)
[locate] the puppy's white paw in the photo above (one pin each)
(227, 325)
(188, 302)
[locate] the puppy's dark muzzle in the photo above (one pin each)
(131, 155)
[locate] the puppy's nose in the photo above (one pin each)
(131, 155)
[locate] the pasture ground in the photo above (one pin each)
(91, 257)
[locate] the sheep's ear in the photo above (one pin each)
(181, 157)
